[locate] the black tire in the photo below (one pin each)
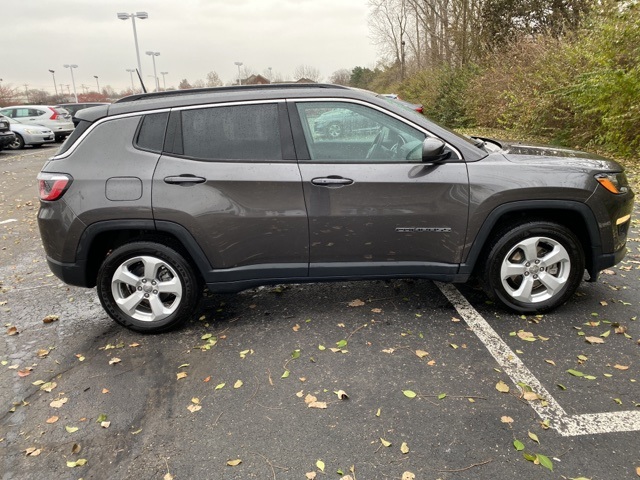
(534, 266)
(148, 287)
(17, 144)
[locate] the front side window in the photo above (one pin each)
(347, 132)
(241, 132)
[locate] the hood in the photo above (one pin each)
(551, 155)
(518, 148)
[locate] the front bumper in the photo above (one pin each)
(6, 139)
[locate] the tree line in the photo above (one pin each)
(566, 70)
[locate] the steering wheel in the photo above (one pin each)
(376, 145)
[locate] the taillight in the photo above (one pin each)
(53, 185)
(54, 116)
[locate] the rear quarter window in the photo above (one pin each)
(150, 135)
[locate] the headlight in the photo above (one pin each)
(31, 131)
(614, 182)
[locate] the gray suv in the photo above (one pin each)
(159, 194)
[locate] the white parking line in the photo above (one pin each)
(8, 221)
(566, 425)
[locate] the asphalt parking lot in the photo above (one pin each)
(370, 380)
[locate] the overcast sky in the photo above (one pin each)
(193, 37)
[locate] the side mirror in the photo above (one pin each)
(433, 151)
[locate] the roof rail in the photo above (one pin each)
(195, 91)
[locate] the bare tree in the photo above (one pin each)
(388, 23)
(184, 84)
(307, 71)
(213, 80)
(341, 77)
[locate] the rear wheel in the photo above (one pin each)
(147, 287)
(534, 267)
(17, 144)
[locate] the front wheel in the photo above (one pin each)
(17, 144)
(147, 287)
(534, 267)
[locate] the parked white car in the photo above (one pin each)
(33, 135)
(54, 118)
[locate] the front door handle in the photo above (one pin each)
(184, 180)
(331, 181)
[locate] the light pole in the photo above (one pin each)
(131, 70)
(133, 16)
(97, 82)
(239, 64)
(73, 81)
(153, 56)
(53, 72)
(164, 82)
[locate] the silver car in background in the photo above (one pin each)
(54, 118)
(33, 135)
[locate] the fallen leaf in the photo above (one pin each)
(48, 387)
(410, 393)
(502, 387)
(234, 463)
(135, 344)
(42, 353)
(384, 442)
(296, 327)
(527, 336)
(408, 476)
(310, 399)
(53, 419)
(320, 465)
(58, 403)
(534, 437)
(376, 310)
(50, 319)
(114, 360)
(356, 303)
(78, 463)
(75, 448)
(421, 353)
(32, 452)
(220, 386)
(167, 476)
(101, 418)
(181, 375)
(551, 362)
(621, 367)
(105, 390)
(194, 408)
(71, 429)
(342, 395)
(530, 396)
(24, 372)
(320, 405)
(238, 384)
(593, 340)
(310, 475)
(389, 350)
(544, 461)
(404, 448)
(105, 424)
(506, 419)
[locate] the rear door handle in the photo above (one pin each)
(331, 181)
(184, 180)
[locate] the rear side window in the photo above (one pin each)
(150, 134)
(81, 127)
(242, 132)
